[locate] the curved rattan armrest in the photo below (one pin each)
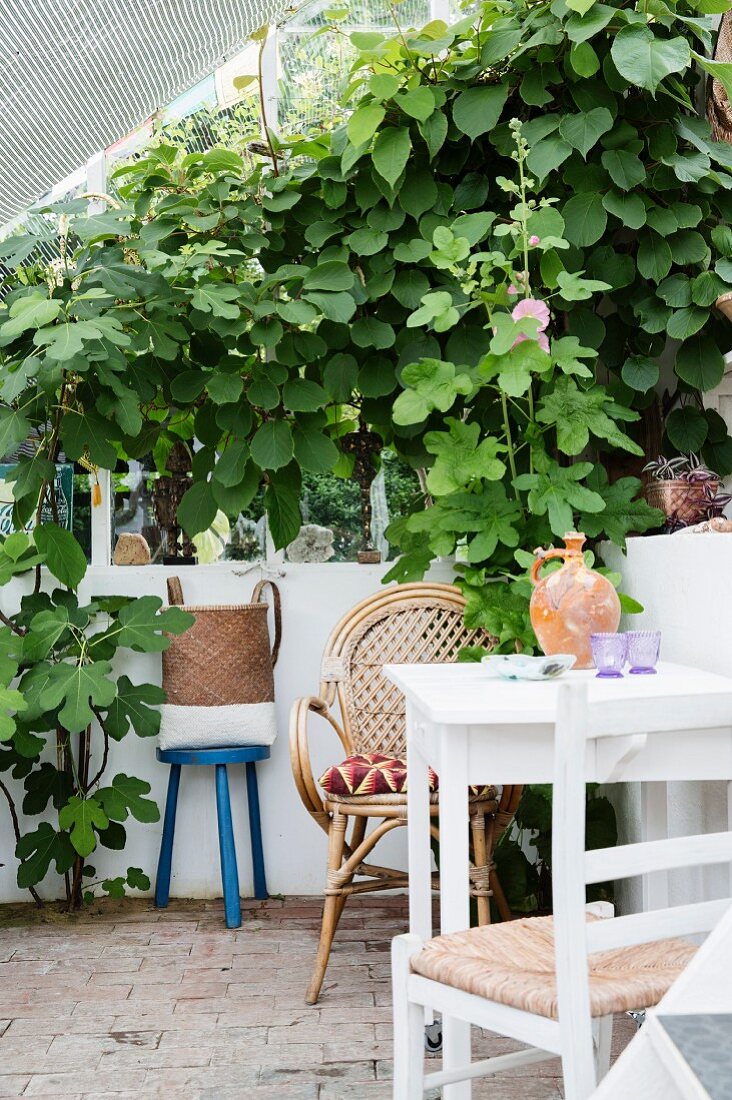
(300, 752)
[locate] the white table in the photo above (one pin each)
(473, 730)
(671, 1057)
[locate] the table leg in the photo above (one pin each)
(418, 837)
(454, 885)
(654, 826)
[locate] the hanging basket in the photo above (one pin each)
(218, 675)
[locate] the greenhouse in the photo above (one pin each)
(365, 485)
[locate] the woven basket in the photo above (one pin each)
(225, 657)
(679, 500)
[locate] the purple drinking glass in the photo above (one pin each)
(608, 653)
(643, 649)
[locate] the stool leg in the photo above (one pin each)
(165, 859)
(255, 833)
(229, 873)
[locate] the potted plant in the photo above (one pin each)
(684, 489)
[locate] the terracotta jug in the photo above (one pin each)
(571, 603)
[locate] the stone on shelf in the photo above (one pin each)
(313, 543)
(131, 549)
(720, 524)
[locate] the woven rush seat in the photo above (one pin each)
(513, 963)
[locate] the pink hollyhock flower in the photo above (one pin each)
(534, 240)
(532, 307)
(540, 338)
(513, 289)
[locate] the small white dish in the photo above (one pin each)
(520, 666)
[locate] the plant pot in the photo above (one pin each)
(171, 559)
(724, 304)
(679, 500)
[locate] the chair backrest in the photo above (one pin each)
(402, 624)
(580, 729)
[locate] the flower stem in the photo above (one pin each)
(524, 224)
(531, 420)
(509, 444)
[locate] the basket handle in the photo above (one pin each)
(175, 591)
(277, 607)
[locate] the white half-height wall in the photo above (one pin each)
(683, 582)
(314, 597)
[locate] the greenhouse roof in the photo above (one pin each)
(76, 75)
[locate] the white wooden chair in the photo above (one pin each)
(532, 979)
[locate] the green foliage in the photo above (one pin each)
(135, 879)
(263, 305)
(528, 884)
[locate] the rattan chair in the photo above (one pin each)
(401, 624)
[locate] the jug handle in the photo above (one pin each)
(543, 556)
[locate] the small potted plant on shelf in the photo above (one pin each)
(684, 489)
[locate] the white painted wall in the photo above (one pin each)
(313, 598)
(681, 580)
(683, 583)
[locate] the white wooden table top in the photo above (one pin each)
(464, 694)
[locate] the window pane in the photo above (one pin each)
(133, 512)
(332, 517)
(81, 511)
(142, 507)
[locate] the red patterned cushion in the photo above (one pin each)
(372, 773)
(369, 773)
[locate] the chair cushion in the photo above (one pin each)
(372, 773)
(513, 963)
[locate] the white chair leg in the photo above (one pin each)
(408, 1023)
(602, 1028)
(578, 1059)
(602, 1038)
(579, 1075)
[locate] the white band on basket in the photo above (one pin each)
(216, 727)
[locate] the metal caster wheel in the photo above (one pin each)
(433, 1038)
(639, 1016)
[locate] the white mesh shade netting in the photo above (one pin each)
(314, 68)
(76, 75)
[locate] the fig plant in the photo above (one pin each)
(61, 703)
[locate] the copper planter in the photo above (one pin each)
(683, 501)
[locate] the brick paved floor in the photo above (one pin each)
(128, 1001)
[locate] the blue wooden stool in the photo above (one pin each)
(248, 755)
